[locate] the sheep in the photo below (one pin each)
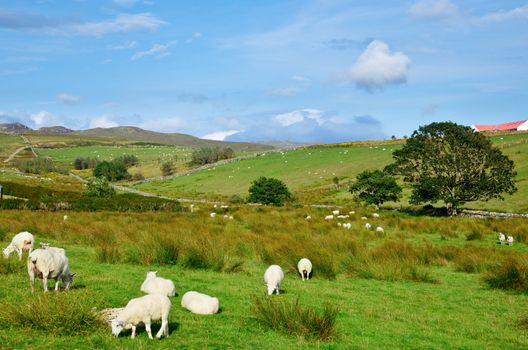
(49, 263)
(348, 225)
(502, 238)
(339, 224)
(352, 212)
(329, 217)
(65, 217)
(157, 285)
(22, 241)
(231, 217)
(273, 278)
(224, 206)
(335, 212)
(368, 226)
(363, 218)
(510, 240)
(213, 215)
(192, 207)
(380, 229)
(375, 215)
(308, 217)
(148, 308)
(56, 249)
(200, 304)
(342, 216)
(304, 266)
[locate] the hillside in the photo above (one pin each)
(14, 128)
(131, 133)
(54, 130)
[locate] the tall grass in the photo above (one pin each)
(11, 265)
(295, 320)
(512, 274)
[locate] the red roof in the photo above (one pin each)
(505, 126)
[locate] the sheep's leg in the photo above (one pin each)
(57, 285)
(133, 332)
(45, 281)
(147, 328)
(302, 276)
(164, 329)
(277, 290)
(19, 252)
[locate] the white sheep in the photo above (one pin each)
(352, 212)
(329, 217)
(375, 215)
(335, 212)
(148, 308)
(157, 285)
(363, 218)
(213, 215)
(49, 263)
(308, 217)
(502, 238)
(192, 207)
(65, 217)
(380, 229)
(224, 206)
(22, 241)
(348, 225)
(273, 278)
(200, 304)
(56, 249)
(304, 266)
(339, 224)
(368, 226)
(510, 240)
(231, 217)
(342, 216)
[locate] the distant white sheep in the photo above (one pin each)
(342, 216)
(352, 212)
(273, 278)
(375, 215)
(380, 229)
(22, 241)
(510, 240)
(158, 285)
(65, 217)
(368, 226)
(335, 212)
(304, 266)
(213, 215)
(363, 218)
(224, 206)
(49, 263)
(200, 304)
(148, 308)
(502, 238)
(308, 217)
(339, 224)
(329, 217)
(231, 217)
(348, 225)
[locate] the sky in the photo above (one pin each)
(303, 70)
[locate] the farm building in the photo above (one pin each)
(512, 126)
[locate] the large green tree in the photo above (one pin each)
(269, 191)
(376, 187)
(453, 163)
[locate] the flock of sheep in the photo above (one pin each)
(348, 225)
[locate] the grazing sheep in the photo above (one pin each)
(339, 224)
(304, 266)
(335, 212)
(342, 216)
(273, 278)
(56, 249)
(352, 212)
(157, 285)
(348, 225)
(502, 238)
(375, 215)
(213, 215)
(65, 217)
(510, 240)
(200, 304)
(191, 207)
(329, 217)
(148, 308)
(231, 217)
(368, 226)
(308, 217)
(363, 218)
(49, 263)
(22, 241)
(380, 229)
(224, 206)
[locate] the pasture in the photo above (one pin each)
(418, 285)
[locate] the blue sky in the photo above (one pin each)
(300, 70)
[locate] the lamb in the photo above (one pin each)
(22, 241)
(329, 217)
(49, 263)
(502, 238)
(273, 278)
(56, 249)
(375, 215)
(363, 218)
(213, 215)
(368, 226)
(308, 217)
(380, 229)
(304, 266)
(148, 308)
(348, 225)
(200, 304)
(157, 285)
(510, 240)
(335, 212)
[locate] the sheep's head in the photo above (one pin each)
(271, 289)
(117, 326)
(67, 280)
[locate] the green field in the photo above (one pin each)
(8, 144)
(458, 311)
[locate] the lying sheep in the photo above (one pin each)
(375, 215)
(157, 285)
(368, 226)
(352, 212)
(502, 238)
(363, 218)
(49, 263)
(329, 217)
(22, 241)
(213, 215)
(148, 308)
(304, 266)
(348, 225)
(335, 212)
(273, 278)
(380, 229)
(339, 224)
(200, 304)
(308, 217)
(342, 216)
(65, 218)
(510, 240)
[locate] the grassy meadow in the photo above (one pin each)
(421, 284)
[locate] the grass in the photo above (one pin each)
(511, 274)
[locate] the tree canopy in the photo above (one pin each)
(376, 187)
(269, 191)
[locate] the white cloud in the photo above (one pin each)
(220, 135)
(433, 9)
(195, 36)
(502, 16)
(124, 46)
(299, 78)
(66, 98)
(294, 117)
(167, 124)
(102, 122)
(41, 117)
(121, 23)
(378, 66)
(289, 91)
(157, 51)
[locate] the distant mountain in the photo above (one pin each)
(133, 133)
(55, 130)
(14, 128)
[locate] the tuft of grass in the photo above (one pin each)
(11, 265)
(295, 320)
(512, 274)
(474, 235)
(57, 314)
(108, 254)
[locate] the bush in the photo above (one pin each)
(236, 199)
(166, 168)
(207, 155)
(512, 274)
(113, 171)
(127, 159)
(99, 188)
(269, 191)
(138, 176)
(58, 314)
(39, 165)
(82, 163)
(295, 320)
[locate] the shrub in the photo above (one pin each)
(127, 159)
(58, 314)
(166, 168)
(113, 171)
(236, 199)
(39, 165)
(207, 155)
(138, 176)
(294, 320)
(99, 188)
(512, 274)
(269, 191)
(82, 163)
